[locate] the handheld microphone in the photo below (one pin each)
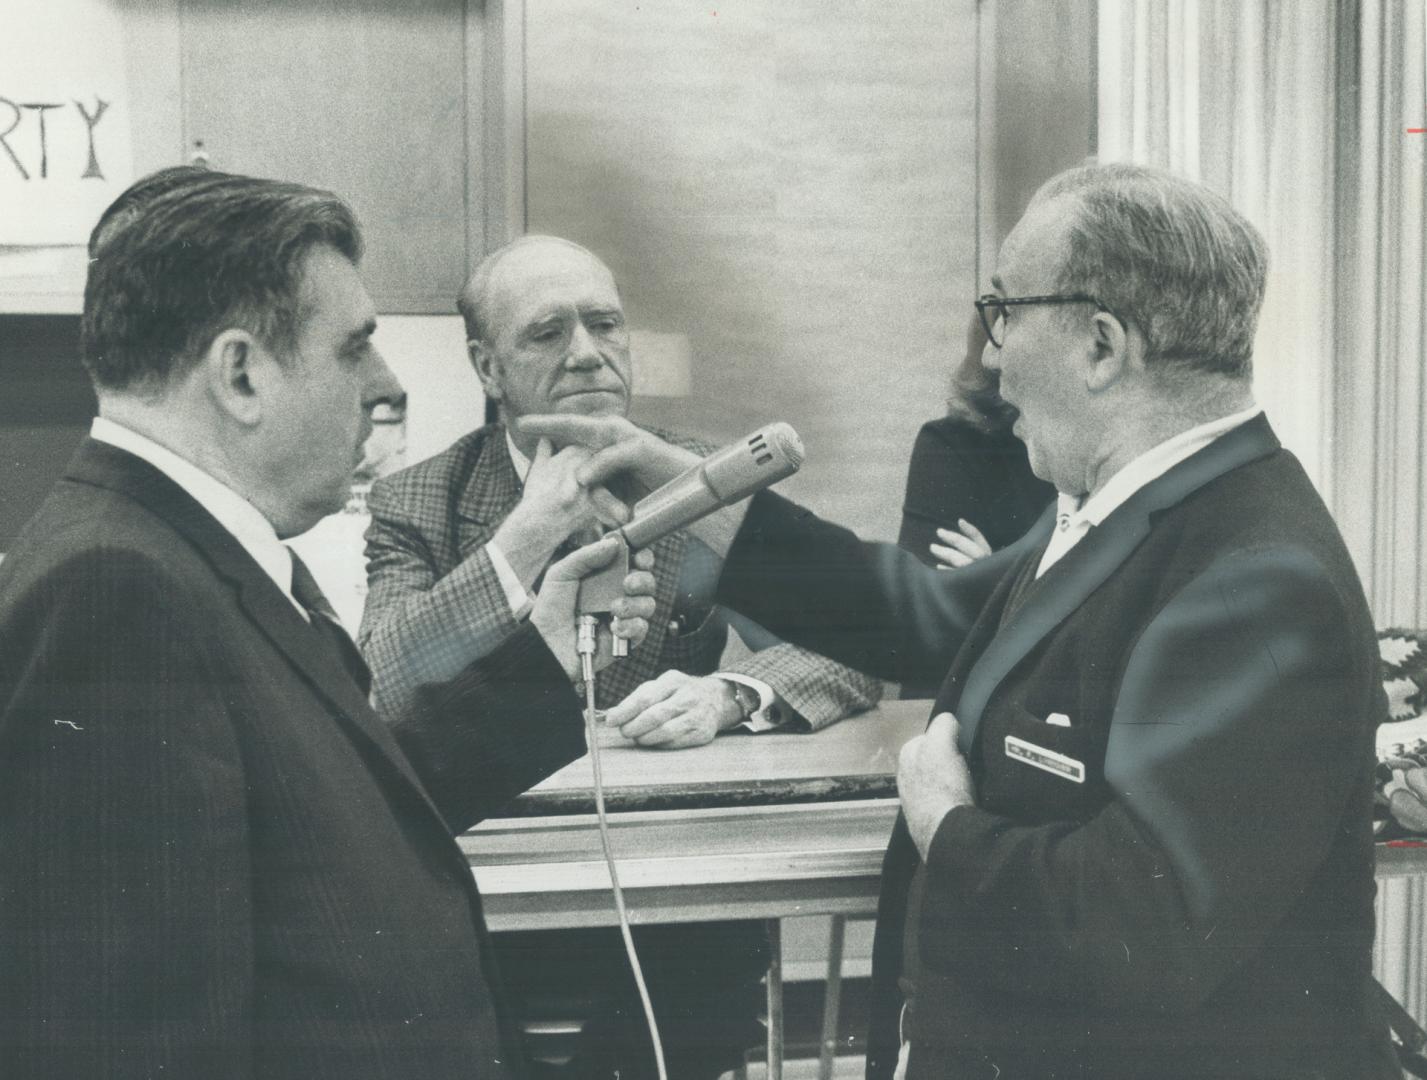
(772, 453)
(737, 471)
(726, 476)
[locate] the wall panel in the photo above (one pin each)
(792, 185)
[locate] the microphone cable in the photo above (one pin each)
(586, 639)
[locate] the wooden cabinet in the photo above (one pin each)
(366, 98)
(381, 101)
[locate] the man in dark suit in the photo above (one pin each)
(1136, 837)
(456, 544)
(218, 861)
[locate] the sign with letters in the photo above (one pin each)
(64, 119)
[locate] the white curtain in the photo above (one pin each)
(1298, 113)
(1381, 462)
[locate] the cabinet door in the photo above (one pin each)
(364, 97)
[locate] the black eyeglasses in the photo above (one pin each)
(992, 309)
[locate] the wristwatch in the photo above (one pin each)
(747, 698)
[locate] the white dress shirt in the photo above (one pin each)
(1074, 518)
(510, 583)
(240, 517)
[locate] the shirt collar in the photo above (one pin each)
(241, 518)
(519, 460)
(1149, 466)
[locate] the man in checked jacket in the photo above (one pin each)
(456, 548)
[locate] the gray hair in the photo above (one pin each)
(132, 200)
(1168, 255)
(475, 296)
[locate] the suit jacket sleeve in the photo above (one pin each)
(419, 627)
(818, 691)
(873, 607)
(500, 726)
(121, 768)
(1237, 733)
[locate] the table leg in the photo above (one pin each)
(775, 1000)
(832, 997)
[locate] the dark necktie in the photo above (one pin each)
(324, 620)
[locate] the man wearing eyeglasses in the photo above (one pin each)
(1136, 837)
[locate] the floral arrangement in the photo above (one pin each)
(1401, 800)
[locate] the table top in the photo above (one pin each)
(743, 797)
(851, 760)
(749, 826)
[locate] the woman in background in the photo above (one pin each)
(970, 489)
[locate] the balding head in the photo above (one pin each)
(1129, 303)
(474, 301)
(545, 330)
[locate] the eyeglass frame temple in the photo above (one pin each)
(986, 300)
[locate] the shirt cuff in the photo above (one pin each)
(769, 714)
(515, 594)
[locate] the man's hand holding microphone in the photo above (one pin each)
(555, 611)
(706, 496)
(616, 446)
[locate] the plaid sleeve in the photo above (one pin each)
(817, 689)
(418, 630)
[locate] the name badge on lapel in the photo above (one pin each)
(1042, 758)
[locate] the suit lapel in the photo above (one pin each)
(261, 600)
(489, 495)
(1086, 566)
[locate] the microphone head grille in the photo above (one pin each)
(786, 440)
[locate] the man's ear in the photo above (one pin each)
(1113, 352)
(237, 372)
(483, 359)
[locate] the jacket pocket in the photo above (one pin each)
(1038, 771)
